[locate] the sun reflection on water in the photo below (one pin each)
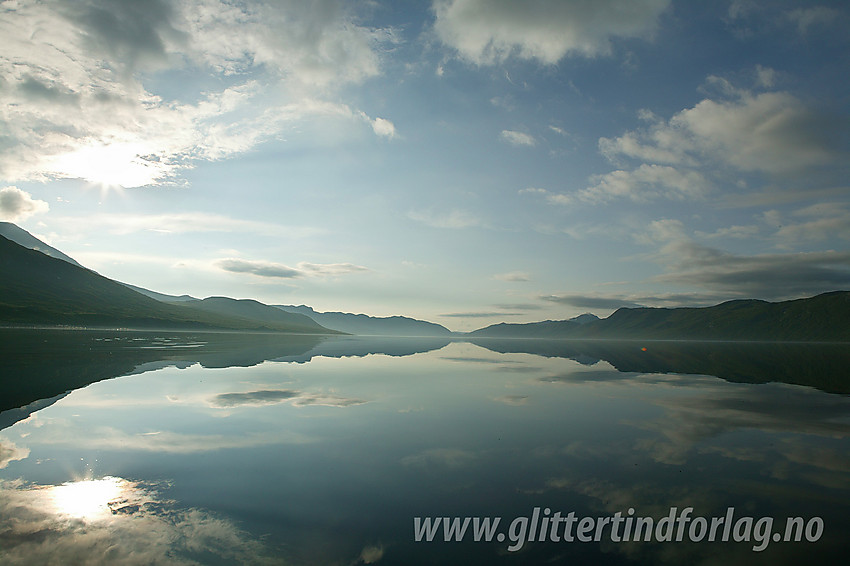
(88, 499)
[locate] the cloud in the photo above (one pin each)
(10, 452)
(771, 276)
(84, 104)
(17, 205)
(279, 270)
(520, 306)
(514, 400)
(259, 268)
(140, 529)
(768, 276)
(452, 219)
(371, 554)
(274, 396)
(614, 301)
(821, 221)
(175, 223)
(329, 269)
(517, 138)
(513, 276)
(383, 128)
(487, 32)
(442, 457)
(772, 132)
(589, 301)
(647, 182)
(486, 314)
(806, 18)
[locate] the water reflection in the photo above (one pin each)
(327, 462)
(109, 521)
(89, 499)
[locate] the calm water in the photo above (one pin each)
(213, 449)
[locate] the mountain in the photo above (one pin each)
(37, 289)
(362, 324)
(585, 318)
(255, 310)
(825, 317)
(23, 238)
(160, 296)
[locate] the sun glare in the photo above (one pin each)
(87, 499)
(113, 166)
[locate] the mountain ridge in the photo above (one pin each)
(37, 289)
(824, 317)
(362, 324)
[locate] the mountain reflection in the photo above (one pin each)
(181, 462)
(822, 366)
(48, 363)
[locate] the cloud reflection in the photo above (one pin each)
(274, 396)
(127, 523)
(9, 452)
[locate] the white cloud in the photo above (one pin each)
(490, 31)
(16, 205)
(819, 222)
(452, 219)
(383, 128)
(645, 183)
(279, 270)
(517, 138)
(10, 452)
(77, 101)
(371, 554)
(176, 223)
(806, 18)
(773, 133)
(513, 276)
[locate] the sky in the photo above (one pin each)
(462, 161)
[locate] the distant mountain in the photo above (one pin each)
(36, 289)
(585, 318)
(161, 296)
(23, 238)
(825, 317)
(362, 324)
(255, 310)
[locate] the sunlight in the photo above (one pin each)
(87, 499)
(112, 166)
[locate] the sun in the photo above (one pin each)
(87, 499)
(112, 165)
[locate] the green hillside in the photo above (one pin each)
(36, 289)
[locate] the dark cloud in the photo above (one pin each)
(766, 276)
(520, 307)
(261, 268)
(264, 397)
(303, 269)
(130, 35)
(484, 314)
(590, 302)
(273, 396)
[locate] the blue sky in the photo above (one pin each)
(462, 161)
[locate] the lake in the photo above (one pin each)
(192, 448)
